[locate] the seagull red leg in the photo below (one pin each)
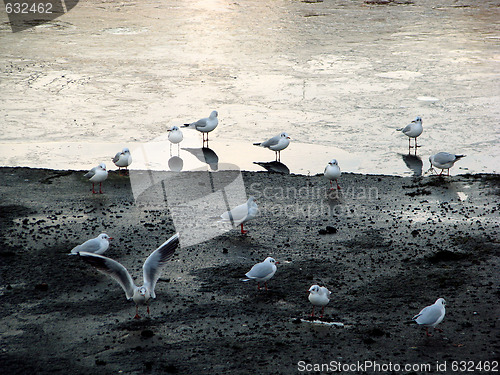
(322, 312)
(242, 230)
(312, 313)
(100, 188)
(137, 316)
(93, 191)
(338, 187)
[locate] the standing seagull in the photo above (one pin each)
(123, 159)
(332, 172)
(262, 272)
(175, 136)
(413, 130)
(97, 174)
(152, 268)
(205, 125)
(277, 143)
(241, 214)
(96, 245)
(443, 160)
(319, 296)
(431, 316)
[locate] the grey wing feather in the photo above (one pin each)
(271, 142)
(156, 261)
(91, 173)
(117, 157)
(89, 246)
(259, 271)
(428, 315)
(407, 128)
(111, 268)
(444, 157)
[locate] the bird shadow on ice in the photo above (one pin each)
(414, 163)
(205, 155)
(273, 166)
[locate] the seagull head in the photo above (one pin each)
(271, 260)
(440, 301)
(102, 166)
(333, 162)
(418, 119)
(142, 290)
(285, 135)
(173, 128)
(104, 236)
(314, 289)
(126, 151)
(214, 114)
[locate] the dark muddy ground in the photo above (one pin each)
(399, 244)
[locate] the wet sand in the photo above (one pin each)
(399, 244)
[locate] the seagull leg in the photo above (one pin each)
(322, 312)
(427, 332)
(409, 143)
(148, 309)
(100, 187)
(312, 313)
(93, 191)
(338, 187)
(137, 316)
(265, 285)
(242, 230)
(258, 285)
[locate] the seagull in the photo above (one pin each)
(96, 245)
(431, 316)
(443, 160)
(262, 272)
(123, 159)
(205, 125)
(241, 214)
(332, 172)
(152, 268)
(97, 174)
(277, 143)
(319, 296)
(413, 130)
(175, 136)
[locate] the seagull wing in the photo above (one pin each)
(259, 271)
(429, 315)
(156, 261)
(91, 173)
(444, 158)
(117, 157)
(236, 215)
(271, 141)
(90, 246)
(113, 269)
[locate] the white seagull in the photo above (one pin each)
(332, 172)
(261, 272)
(241, 214)
(443, 160)
(175, 136)
(152, 269)
(205, 125)
(123, 159)
(319, 296)
(97, 175)
(413, 130)
(96, 245)
(431, 316)
(277, 143)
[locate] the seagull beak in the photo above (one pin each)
(169, 130)
(276, 262)
(110, 238)
(288, 138)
